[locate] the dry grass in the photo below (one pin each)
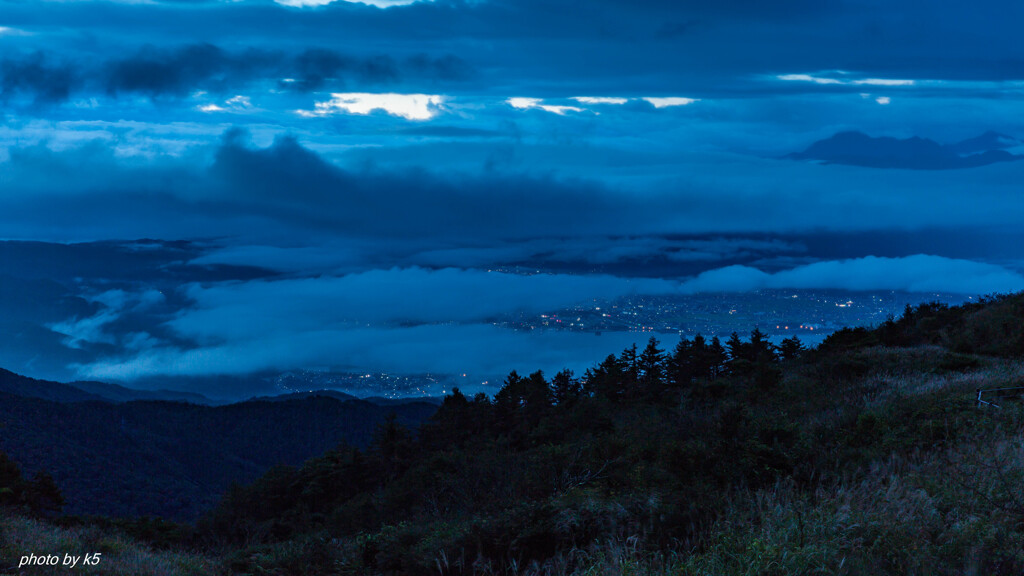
(21, 536)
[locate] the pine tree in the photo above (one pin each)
(652, 369)
(536, 397)
(791, 348)
(392, 447)
(761, 349)
(607, 379)
(700, 362)
(630, 362)
(507, 401)
(680, 365)
(737, 348)
(450, 425)
(717, 358)
(564, 388)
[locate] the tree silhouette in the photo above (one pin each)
(791, 348)
(564, 388)
(652, 369)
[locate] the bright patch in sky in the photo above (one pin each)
(524, 103)
(314, 3)
(529, 103)
(599, 100)
(861, 82)
(241, 102)
(883, 100)
(808, 78)
(884, 82)
(234, 104)
(671, 101)
(408, 106)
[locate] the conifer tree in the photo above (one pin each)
(652, 369)
(791, 348)
(717, 358)
(680, 365)
(630, 361)
(760, 348)
(536, 397)
(564, 388)
(737, 348)
(607, 379)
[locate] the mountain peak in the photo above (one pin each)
(988, 141)
(915, 153)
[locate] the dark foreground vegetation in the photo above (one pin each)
(867, 455)
(172, 459)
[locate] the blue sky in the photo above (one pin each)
(622, 147)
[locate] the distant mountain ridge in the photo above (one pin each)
(345, 397)
(114, 455)
(91, 391)
(858, 149)
(24, 386)
(84, 391)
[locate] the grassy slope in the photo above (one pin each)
(899, 473)
(867, 457)
(120, 555)
(929, 483)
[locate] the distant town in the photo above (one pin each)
(811, 315)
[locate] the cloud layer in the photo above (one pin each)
(450, 321)
(919, 273)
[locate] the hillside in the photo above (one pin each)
(17, 385)
(175, 459)
(87, 391)
(119, 554)
(867, 455)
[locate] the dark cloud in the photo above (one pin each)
(294, 182)
(447, 67)
(235, 188)
(314, 69)
(156, 72)
(176, 72)
(38, 78)
(452, 132)
(622, 255)
(701, 49)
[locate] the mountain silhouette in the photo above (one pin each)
(986, 142)
(916, 153)
(172, 459)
